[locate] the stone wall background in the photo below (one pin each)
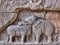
(9, 10)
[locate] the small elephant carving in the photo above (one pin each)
(21, 29)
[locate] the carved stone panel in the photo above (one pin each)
(29, 27)
(29, 22)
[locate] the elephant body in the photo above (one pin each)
(19, 31)
(42, 26)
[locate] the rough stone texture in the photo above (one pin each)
(6, 19)
(12, 11)
(54, 18)
(11, 5)
(24, 14)
(49, 4)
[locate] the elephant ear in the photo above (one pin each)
(6, 19)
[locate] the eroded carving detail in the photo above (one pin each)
(31, 23)
(41, 26)
(22, 29)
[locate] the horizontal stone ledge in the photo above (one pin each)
(36, 10)
(15, 43)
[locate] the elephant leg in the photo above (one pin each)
(22, 40)
(28, 36)
(49, 39)
(37, 38)
(44, 38)
(10, 39)
(33, 36)
(58, 38)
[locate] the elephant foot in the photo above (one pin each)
(9, 42)
(49, 39)
(21, 42)
(49, 42)
(36, 42)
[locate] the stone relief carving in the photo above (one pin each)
(50, 4)
(30, 27)
(35, 3)
(11, 5)
(20, 29)
(6, 19)
(42, 26)
(31, 23)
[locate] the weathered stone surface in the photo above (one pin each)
(42, 26)
(53, 16)
(11, 5)
(24, 14)
(57, 5)
(9, 13)
(0, 1)
(6, 19)
(49, 4)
